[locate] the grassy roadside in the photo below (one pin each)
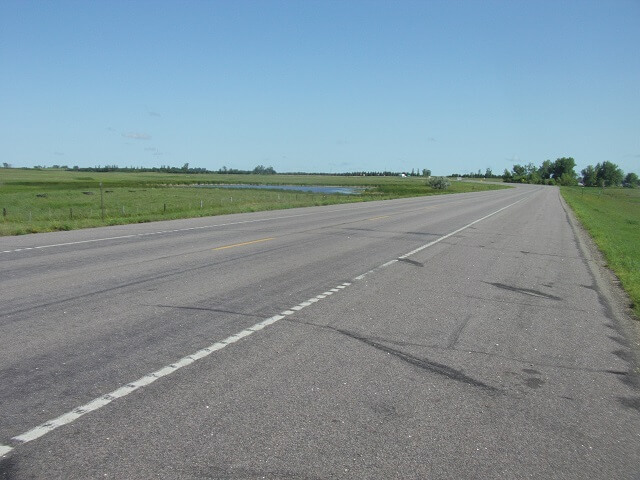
(51, 200)
(612, 217)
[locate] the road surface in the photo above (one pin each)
(458, 336)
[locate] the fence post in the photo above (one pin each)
(101, 203)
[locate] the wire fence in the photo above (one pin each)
(26, 213)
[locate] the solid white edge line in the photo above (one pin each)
(100, 402)
(444, 237)
(427, 245)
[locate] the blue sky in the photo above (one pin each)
(320, 86)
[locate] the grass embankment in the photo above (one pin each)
(612, 217)
(49, 200)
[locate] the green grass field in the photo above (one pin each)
(49, 200)
(612, 217)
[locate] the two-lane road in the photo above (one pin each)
(462, 336)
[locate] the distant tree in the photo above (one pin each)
(426, 172)
(518, 171)
(6, 165)
(507, 176)
(545, 170)
(563, 171)
(609, 174)
(488, 173)
(589, 176)
(531, 173)
(567, 179)
(631, 180)
(262, 170)
(185, 167)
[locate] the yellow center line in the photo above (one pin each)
(377, 218)
(245, 243)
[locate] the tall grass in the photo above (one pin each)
(612, 217)
(48, 200)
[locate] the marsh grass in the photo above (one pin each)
(612, 217)
(50, 200)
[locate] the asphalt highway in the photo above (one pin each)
(456, 336)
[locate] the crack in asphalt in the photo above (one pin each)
(217, 310)
(525, 291)
(422, 363)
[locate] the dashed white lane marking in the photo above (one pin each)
(104, 400)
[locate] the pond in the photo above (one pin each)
(324, 189)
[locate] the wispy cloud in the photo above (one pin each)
(137, 135)
(151, 112)
(153, 151)
(59, 154)
(431, 139)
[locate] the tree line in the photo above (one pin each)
(562, 172)
(258, 170)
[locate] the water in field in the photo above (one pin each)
(327, 190)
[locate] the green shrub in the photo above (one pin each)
(439, 183)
